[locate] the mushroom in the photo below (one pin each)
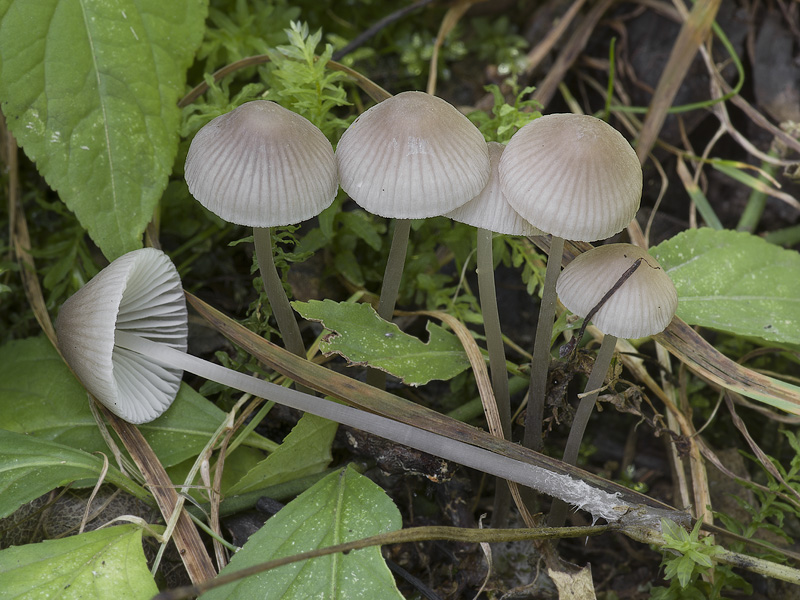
(490, 212)
(574, 177)
(263, 166)
(411, 156)
(124, 335)
(626, 294)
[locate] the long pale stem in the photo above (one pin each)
(540, 363)
(284, 315)
(491, 326)
(596, 379)
(394, 269)
(497, 361)
(573, 491)
(392, 276)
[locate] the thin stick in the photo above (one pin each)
(540, 364)
(190, 547)
(273, 286)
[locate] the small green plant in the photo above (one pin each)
(687, 559)
(506, 119)
(299, 80)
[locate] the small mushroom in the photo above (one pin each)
(574, 177)
(124, 335)
(263, 166)
(411, 156)
(490, 212)
(626, 294)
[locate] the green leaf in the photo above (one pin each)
(30, 467)
(736, 282)
(344, 506)
(102, 564)
(362, 337)
(90, 91)
(305, 451)
(39, 396)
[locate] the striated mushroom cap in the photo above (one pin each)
(262, 165)
(643, 305)
(573, 176)
(139, 292)
(412, 156)
(490, 210)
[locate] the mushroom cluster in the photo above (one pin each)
(412, 156)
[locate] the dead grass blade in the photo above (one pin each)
(365, 397)
(694, 30)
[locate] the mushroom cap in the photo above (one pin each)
(412, 156)
(262, 165)
(573, 176)
(139, 292)
(490, 209)
(643, 305)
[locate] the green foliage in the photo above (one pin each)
(734, 281)
(344, 506)
(102, 564)
(300, 81)
(770, 508)
(238, 29)
(90, 93)
(305, 451)
(30, 371)
(694, 558)
(363, 338)
(30, 467)
(499, 44)
(506, 119)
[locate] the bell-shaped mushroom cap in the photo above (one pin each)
(262, 165)
(490, 209)
(643, 305)
(412, 156)
(573, 176)
(140, 292)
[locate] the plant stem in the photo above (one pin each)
(540, 364)
(596, 379)
(574, 491)
(757, 201)
(273, 286)
(392, 276)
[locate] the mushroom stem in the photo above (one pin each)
(273, 286)
(392, 276)
(497, 361)
(540, 363)
(491, 326)
(574, 491)
(596, 379)
(394, 269)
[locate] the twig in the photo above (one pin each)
(374, 29)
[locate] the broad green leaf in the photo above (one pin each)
(40, 396)
(305, 451)
(30, 467)
(344, 506)
(102, 564)
(736, 282)
(90, 91)
(362, 337)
